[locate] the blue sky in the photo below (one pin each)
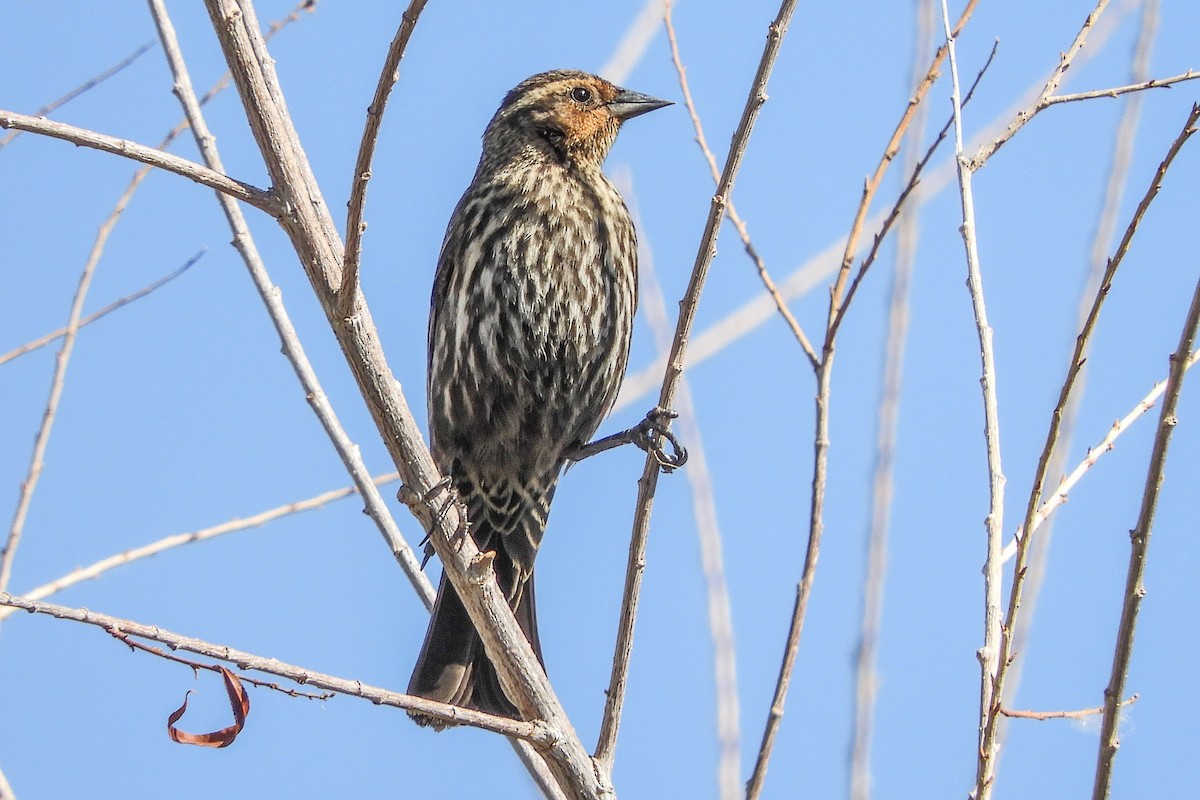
(179, 413)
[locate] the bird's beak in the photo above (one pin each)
(627, 104)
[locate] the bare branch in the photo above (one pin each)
(873, 182)
(1153, 83)
(1045, 715)
(1118, 176)
(1093, 455)
(134, 644)
(837, 302)
(87, 85)
(1140, 535)
(292, 349)
(901, 201)
(606, 745)
(536, 732)
(366, 149)
(260, 199)
(1029, 112)
(989, 654)
(1074, 370)
(42, 341)
(734, 217)
(708, 531)
(102, 566)
(314, 235)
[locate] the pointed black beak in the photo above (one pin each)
(627, 104)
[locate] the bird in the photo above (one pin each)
(529, 332)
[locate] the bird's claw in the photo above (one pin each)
(432, 511)
(651, 433)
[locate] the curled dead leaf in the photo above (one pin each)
(239, 701)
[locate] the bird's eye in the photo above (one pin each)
(580, 95)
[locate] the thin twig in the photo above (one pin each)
(1074, 369)
(535, 732)
(293, 350)
(57, 382)
(610, 724)
(816, 523)
(1118, 176)
(738, 223)
(91, 83)
(260, 199)
(1140, 535)
(886, 435)
(901, 201)
(126, 557)
(989, 653)
(761, 309)
(134, 644)
(126, 197)
(708, 531)
(1045, 715)
(1152, 83)
(366, 149)
(872, 184)
(42, 341)
(1093, 455)
(1043, 99)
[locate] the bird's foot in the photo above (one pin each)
(651, 435)
(432, 507)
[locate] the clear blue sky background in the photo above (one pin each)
(180, 413)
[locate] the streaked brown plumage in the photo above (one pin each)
(529, 334)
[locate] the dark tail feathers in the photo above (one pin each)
(453, 667)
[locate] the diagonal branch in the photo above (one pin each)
(1043, 99)
(314, 235)
(98, 568)
(366, 149)
(1116, 91)
(1074, 371)
(872, 185)
(738, 223)
(1140, 535)
(42, 341)
(260, 199)
(87, 85)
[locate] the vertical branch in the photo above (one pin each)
(885, 444)
(648, 483)
(720, 616)
(1134, 590)
(838, 303)
(989, 654)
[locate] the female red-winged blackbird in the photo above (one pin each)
(528, 338)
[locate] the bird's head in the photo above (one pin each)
(566, 115)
